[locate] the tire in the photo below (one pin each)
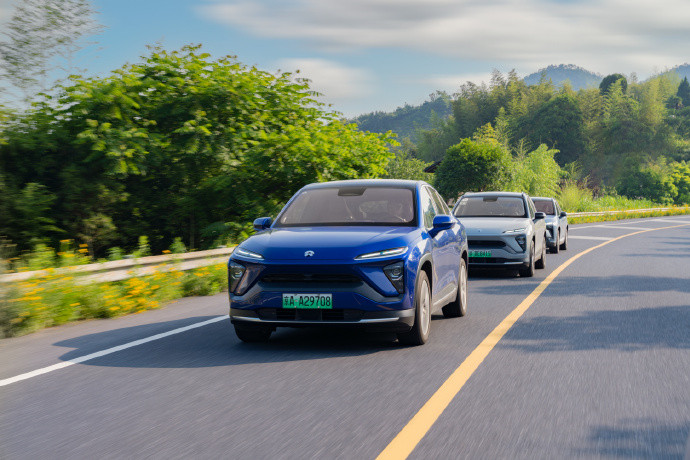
(458, 307)
(554, 250)
(564, 246)
(253, 333)
(419, 334)
(528, 271)
(541, 263)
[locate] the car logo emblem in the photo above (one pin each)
(309, 254)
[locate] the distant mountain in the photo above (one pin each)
(682, 70)
(406, 120)
(579, 78)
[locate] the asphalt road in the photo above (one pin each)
(598, 366)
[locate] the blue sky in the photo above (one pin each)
(368, 55)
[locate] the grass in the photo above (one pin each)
(55, 299)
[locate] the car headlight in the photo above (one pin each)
(516, 230)
(396, 275)
(379, 254)
(249, 254)
(235, 274)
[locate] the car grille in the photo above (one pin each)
(311, 278)
(487, 260)
(309, 314)
(485, 243)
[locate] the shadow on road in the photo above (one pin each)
(216, 345)
(625, 330)
(638, 439)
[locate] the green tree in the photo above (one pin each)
(404, 166)
(38, 33)
(652, 181)
(559, 123)
(536, 173)
(182, 145)
(472, 166)
(684, 92)
(609, 80)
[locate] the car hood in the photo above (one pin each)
(478, 226)
(328, 243)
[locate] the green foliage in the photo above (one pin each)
(55, 299)
(680, 176)
(408, 121)
(684, 92)
(403, 166)
(536, 173)
(178, 145)
(609, 80)
(652, 181)
(560, 124)
(472, 166)
(43, 35)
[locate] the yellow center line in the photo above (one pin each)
(405, 442)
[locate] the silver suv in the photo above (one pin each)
(556, 223)
(504, 230)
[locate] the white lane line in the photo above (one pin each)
(98, 354)
(625, 228)
(671, 220)
(583, 237)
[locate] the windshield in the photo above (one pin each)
(350, 205)
(491, 206)
(545, 206)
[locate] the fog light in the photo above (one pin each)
(235, 274)
(522, 241)
(396, 275)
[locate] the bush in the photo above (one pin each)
(55, 299)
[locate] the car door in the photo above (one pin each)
(562, 222)
(443, 251)
(539, 229)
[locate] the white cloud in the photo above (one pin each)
(336, 82)
(451, 83)
(607, 35)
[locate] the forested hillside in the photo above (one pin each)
(408, 120)
(578, 77)
(622, 137)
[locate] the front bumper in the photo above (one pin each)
(395, 321)
(504, 251)
(361, 295)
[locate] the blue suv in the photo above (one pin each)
(385, 254)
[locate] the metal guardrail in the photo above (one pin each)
(127, 268)
(604, 213)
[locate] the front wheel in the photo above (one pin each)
(554, 250)
(458, 307)
(528, 271)
(564, 246)
(419, 333)
(541, 263)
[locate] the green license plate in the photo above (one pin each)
(321, 301)
(480, 253)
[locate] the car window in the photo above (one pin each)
(350, 205)
(428, 208)
(441, 207)
(491, 206)
(545, 206)
(530, 205)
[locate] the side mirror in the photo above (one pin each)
(563, 214)
(441, 222)
(262, 223)
(539, 215)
